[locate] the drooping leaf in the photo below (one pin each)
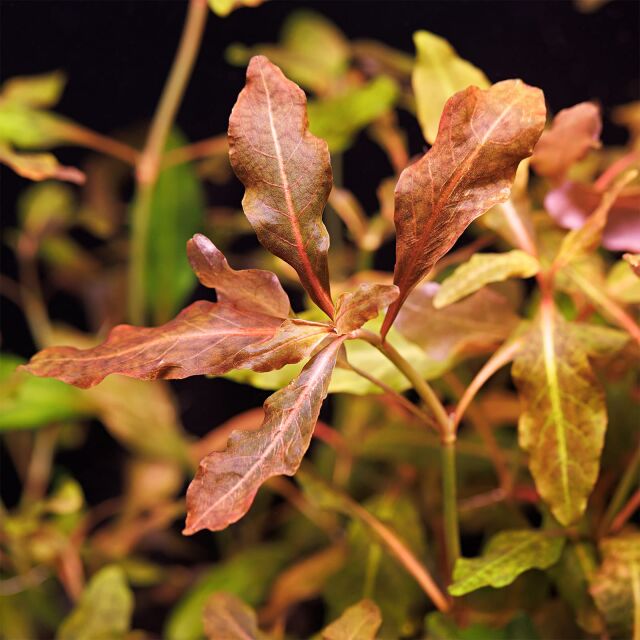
(46, 208)
(483, 136)
(227, 482)
(483, 269)
(39, 166)
(338, 119)
(573, 133)
(616, 585)
(286, 173)
(355, 308)
(226, 616)
(360, 621)
(564, 418)
(104, 611)
(438, 73)
(42, 90)
(506, 556)
(224, 7)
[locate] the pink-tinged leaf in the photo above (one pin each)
(574, 132)
(251, 290)
(205, 338)
(634, 262)
(355, 308)
(39, 166)
(482, 138)
(227, 482)
(572, 203)
(286, 172)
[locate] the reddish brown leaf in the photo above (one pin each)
(286, 172)
(227, 482)
(482, 138)
(365, 303)
(251, 290)
(574, 132)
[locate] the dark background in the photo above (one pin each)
(117, 55)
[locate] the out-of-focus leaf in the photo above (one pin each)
(483, 136)
(338, 119)
(506, 556)
(224, 7)
(177, 212)
(615, 586)
(483, 269)
(573, 133)
(29, 128)
(564, 418)
(247, 575)
(27, 402)
(360, 621)
(355, 308)
(599, 341)
(66, 498)
(313, 51)
(589, 6)
(43, 90)
(227, 482)
(39, 166)
(46, 207)
(623, 280)
(628, 115)
(227, 616)
(438, 73)
(440, 627)
(571, 204)
(104, 611)
(286, 172)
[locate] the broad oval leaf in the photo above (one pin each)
(226, 616)
(227, 481)
(482, 138)
(354, 308)
(438, 73)
(564, 417)
(286, 172)
(573, 133)
(483, 269)
(360, 621)
(506, 556)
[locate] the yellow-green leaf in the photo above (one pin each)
(39, 166)
(623, 283)
(42, 90)
(224, 7)
(361, 621)
(483, 269)
(506, 556)
(564, 418)
(438, 73)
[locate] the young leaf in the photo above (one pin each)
(573, 133)
(564, 418)
(43, 90)
(227, 481)
(616, 585)
(226, 616)
(286, 173)
(39, 166)
(224, 7)
(361, 621)
(483, 136)
(355, 308)
(483, 269)
(506, 556)
(438, 73)
(104, 610)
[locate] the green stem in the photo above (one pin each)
(450, 501)
(149, 161)
(627, 482)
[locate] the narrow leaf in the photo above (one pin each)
(506, 556)
(361, 621)
(286, 172)
(226, 616)
(227, 482)
(573, 133)
(355, 308)
(438, 73)
(39, 166)
(564, 418)
(42, 90)
(483, 136)
(483, 269)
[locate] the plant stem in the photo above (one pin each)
(450, 502)
(628, 480)
(149, 161)
(519, 230)
(216, 145)
(84, 137)
(612, 172)
(626, 512)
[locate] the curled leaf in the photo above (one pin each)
(286, 173)
(39, 166)
(360, 621)
(227, 482)
(483, 136)
(355, 308)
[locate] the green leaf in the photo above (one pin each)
(623, 283)
(339, 119)
(177, 213)
(361, 621)
(43, 90)
(27, 402)
(564, 419)
(441, 627)
(438, 73)
(247, 575)
(506, 556)
(29, 128)
(46, 207)
(104, 611)
(483, 269)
